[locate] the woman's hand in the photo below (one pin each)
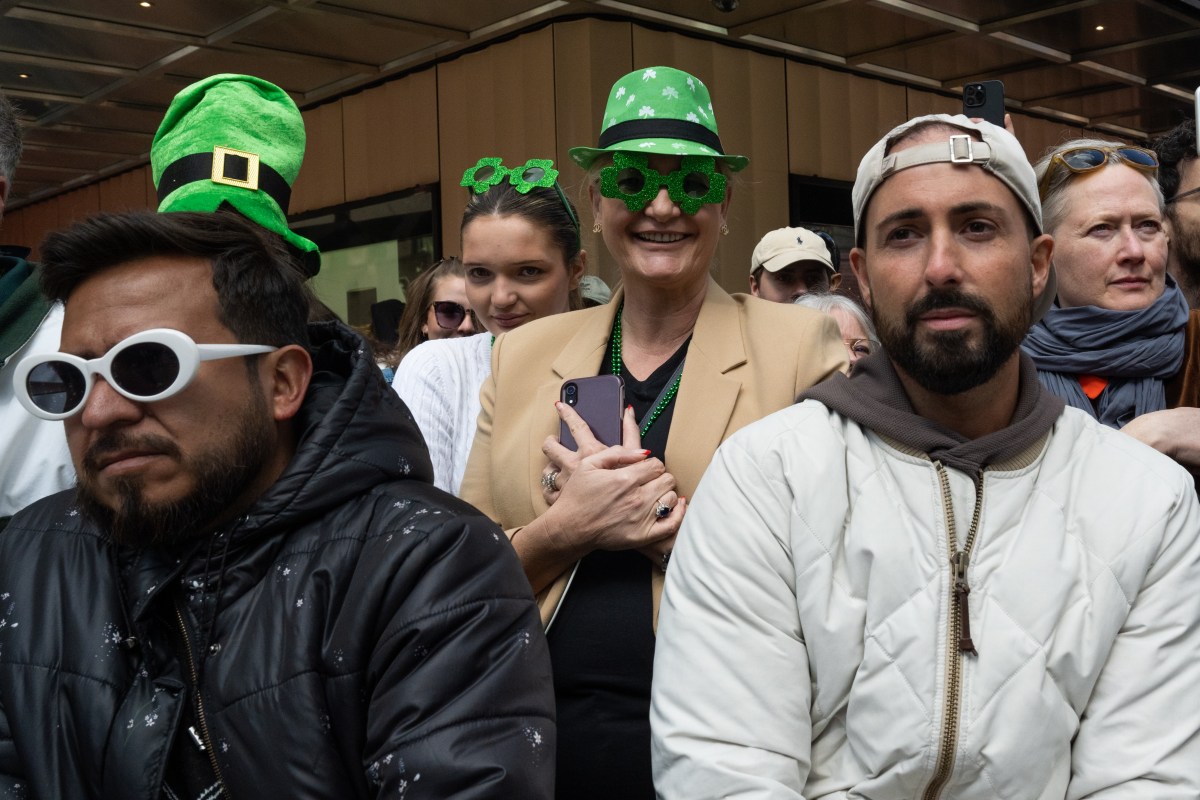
(562, 462)
(616, 499)
(1174, 432)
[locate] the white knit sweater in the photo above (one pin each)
(439, 381)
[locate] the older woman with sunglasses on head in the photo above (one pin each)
(521, 261)
(1114, 343)
(697, 364)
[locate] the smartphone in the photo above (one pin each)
(985, 100)
(600, 400)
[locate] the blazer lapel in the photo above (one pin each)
(707, 395)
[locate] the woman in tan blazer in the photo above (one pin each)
(697, 364)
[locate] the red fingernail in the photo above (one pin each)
(645, 452)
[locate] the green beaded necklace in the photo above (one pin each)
(666, 397)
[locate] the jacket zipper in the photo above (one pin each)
(206, 740)
(958, 630)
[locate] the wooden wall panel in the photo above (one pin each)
(496, 102)
(749, 99)
(834, 118)
(589, 57)
(12, 229)
(78, 204)
(321, 181)
(922, 103)
(391, 136)
(40, 219)
(124, 192)
(148, 180)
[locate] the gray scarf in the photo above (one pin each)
(875, 398)
(1135, 350)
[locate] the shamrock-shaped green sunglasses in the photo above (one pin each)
(536, 172)
(630, 178)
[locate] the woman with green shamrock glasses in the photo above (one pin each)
(697, 364)
(521, 261)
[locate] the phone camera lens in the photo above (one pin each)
(572, 392)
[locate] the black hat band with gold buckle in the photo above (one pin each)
(228, 167)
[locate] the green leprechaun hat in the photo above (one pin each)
(233, 139)
(659, 110)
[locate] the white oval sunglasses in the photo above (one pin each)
(148, 366)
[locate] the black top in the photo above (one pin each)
(602, 647)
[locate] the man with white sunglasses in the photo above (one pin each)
(254, 589)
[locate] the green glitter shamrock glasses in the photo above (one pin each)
(630, 178)
(536, 172)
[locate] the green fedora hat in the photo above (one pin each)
(659, 110)
(233, 139)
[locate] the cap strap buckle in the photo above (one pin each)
(962, 149)
(235, 168)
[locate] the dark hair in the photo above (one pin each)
(260, 295)
(543, 207)
(1173, 149)
(416, 303)
(10, 143)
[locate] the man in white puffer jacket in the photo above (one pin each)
(930, 580)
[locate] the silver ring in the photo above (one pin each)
(550, 481)
(666, 557)
(661, 510)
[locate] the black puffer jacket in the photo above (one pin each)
(358, 633)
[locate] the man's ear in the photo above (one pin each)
(1041, 251)
(858, 265)
(289, 372)
(835, 281)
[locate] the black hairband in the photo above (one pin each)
(660, 129)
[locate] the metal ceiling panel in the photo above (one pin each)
(197, 19)
(18, 36)
(294, 74)
(333, 37)
(101, 74)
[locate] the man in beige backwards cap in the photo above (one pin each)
(929, 579)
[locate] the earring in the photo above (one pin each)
(724, 229)
(596, 228)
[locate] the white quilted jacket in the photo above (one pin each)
(808, 644)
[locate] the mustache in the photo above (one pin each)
(948, 298)
(116, 441)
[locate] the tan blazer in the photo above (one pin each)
(747, 358)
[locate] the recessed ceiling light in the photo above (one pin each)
(1098, 27)
(145, 4)
(23, 75)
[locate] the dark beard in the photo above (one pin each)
(221, 475)
(1185, 258)
(948, 364)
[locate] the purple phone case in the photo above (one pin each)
(599, 399)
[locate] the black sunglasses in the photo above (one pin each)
(449, 315)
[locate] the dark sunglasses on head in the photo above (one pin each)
(1085, 159)
(449, 315)
(148, 366)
